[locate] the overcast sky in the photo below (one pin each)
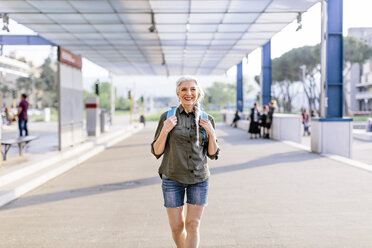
(357, 13)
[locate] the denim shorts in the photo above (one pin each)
(174, 193)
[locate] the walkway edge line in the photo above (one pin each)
(348, 161)
(23, 188)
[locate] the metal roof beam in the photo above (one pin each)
(24, 40)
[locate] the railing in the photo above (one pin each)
(364, 95)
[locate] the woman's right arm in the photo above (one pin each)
(159, 144)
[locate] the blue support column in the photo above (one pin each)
(335, 58)
(239, 87)
(266, 73)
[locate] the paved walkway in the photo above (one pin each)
(263, 194)
(47, 138)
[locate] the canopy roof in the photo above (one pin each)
(190, 37)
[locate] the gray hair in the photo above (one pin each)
(197, 102)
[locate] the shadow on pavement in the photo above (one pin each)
(289, 157)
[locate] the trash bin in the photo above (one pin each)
(369, 125)
(103, 120)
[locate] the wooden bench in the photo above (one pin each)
(22, 142)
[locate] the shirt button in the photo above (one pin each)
(188, 128)
(190, 156)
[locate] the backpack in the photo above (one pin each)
(203, 115)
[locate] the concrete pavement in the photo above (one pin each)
(263, 193)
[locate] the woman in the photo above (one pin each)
(270, 116)
(263, 120)
(184, 167)
(254, 128)
(306, 122)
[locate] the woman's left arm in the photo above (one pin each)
(209, 128)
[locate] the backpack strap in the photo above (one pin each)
(172, 111)
(204, 115)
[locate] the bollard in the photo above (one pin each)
(103, 120)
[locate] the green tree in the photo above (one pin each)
(221, 93)
(284, 72)
(122, 103)
(46, 85)
(104, 94)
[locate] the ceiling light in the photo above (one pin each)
(152, 28)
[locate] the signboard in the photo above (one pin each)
(71, 106)
(69, 58)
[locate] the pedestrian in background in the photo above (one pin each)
(236, 118)
(263, 120)
(254, 118)
(186, 140)
(306, 122)
(270, 116)
(22, 115)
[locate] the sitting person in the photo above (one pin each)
(236, 118)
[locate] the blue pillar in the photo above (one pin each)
(335, 58)
(266, 73)
(239, 87)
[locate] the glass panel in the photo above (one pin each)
(80, 28)
(128, 6)
(136, 18)
(102, 18)
(53, 6)
(223, 42)
(233, 27)
(108, 28)
(171, 28)
(206, 6)
(170, 6)
(240, 18)
(88, 6)
(138, 28)
(205, 18)
(16, 6)
(291, 5)
(203, 28)
(170, 18)
(276, 17)
(248, 6)
(200, 36)
(172, 36)
(228, 36)
(30, 18)
(117, 36)
(67, 18)
(267, 27)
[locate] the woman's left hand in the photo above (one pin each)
(207, 125)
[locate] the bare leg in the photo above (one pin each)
(177, 224)
(193, 218)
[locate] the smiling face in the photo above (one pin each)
(188, 93)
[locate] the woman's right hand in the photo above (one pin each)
(170, 123)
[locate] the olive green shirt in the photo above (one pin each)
(184, 161)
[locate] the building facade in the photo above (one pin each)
(360, 78)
